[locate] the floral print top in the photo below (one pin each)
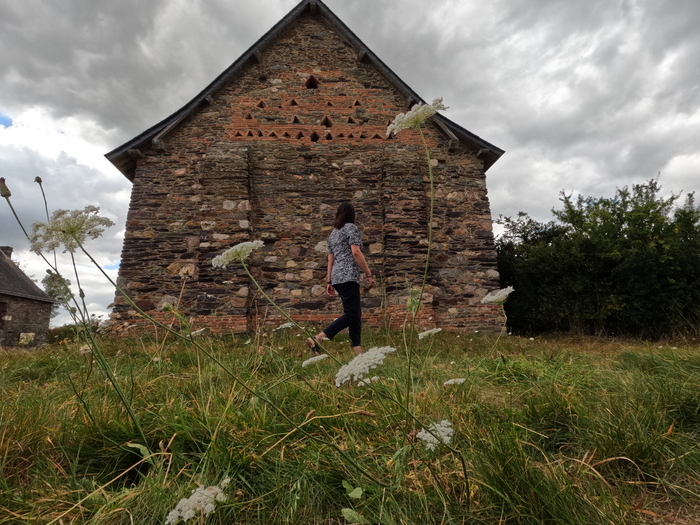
(345, 267)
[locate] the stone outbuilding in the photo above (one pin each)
(25, 310)
(267, 151)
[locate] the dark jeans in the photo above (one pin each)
(352, 313)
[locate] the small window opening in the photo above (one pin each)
(327, 122)
(273, 134)
(311, 83)
(357, 103)
(351, 136)
(286, 135)
(249, 134)
(314, 137)
(328, 136)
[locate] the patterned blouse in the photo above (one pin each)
(345, 267)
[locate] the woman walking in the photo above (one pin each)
(345, 260)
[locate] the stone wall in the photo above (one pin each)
(271, 158)
(23, 316)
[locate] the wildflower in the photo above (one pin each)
(202, 502)
(414, 118)
(69, 229)
(455, 381)
(498, 296)
(283, 326)
(85, 350)
(439, 433)
(4, 190)
(429, 332)
(368, 381)
(239, 252)
(360, 366)
(314, 359)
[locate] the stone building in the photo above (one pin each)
(25, 310)
(267, 151)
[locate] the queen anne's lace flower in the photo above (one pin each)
(236, 253)
(455, 381)
(440, 433)
(68, 229)
(314, 359)
(429, 332)
(201, 502)
(498, 296)
(414, 118)
(368, 381)
(360, 366)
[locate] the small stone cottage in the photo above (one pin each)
(267, 151)
(25, 310)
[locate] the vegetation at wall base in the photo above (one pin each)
(628, 265)
(554, 430)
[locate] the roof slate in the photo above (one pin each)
(14, 282)
(127, 164)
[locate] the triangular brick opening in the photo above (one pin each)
(363, 136)
(311, 83)
(286, 135)
(249, 134)
(296, 120)
(314, 137)
(238, 134)
(377, 136)
(293, 103)
(260, 133)
(327, 122)
(340, 136)
(351, 136)
(300, 135)
(262, 104)
(328, 136)
(329, 103)
(248, 117)
(273, 134)
(356, 103)
(351, 120)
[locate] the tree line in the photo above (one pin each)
(627, 265)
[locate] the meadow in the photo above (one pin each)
(550, 430)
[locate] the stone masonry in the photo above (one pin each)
(269, 156)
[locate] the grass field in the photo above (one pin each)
(546, 431)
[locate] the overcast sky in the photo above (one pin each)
(583, 96)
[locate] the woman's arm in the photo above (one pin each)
(360, 258)
(329, 287)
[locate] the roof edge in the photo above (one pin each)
(126, 163)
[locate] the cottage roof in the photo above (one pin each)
(14, 282)
(126, 162)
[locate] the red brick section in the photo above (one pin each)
(271, 159)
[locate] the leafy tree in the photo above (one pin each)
(58, 288)
(629, 264)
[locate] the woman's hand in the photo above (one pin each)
(330, 290)
(370, 282)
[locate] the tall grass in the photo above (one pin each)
(551, 433)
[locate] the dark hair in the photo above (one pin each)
(345, 214)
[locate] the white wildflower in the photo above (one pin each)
(498, 296)
(429, 332)
(360, 366)
(85, 350)
(69, 229)
(314, 359)
(283, 326)
(438, 433)
(368, 381)
(236, 253)
(414, 118)
(455, 381)
(202, 502)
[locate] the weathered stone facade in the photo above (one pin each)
(268, 153)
